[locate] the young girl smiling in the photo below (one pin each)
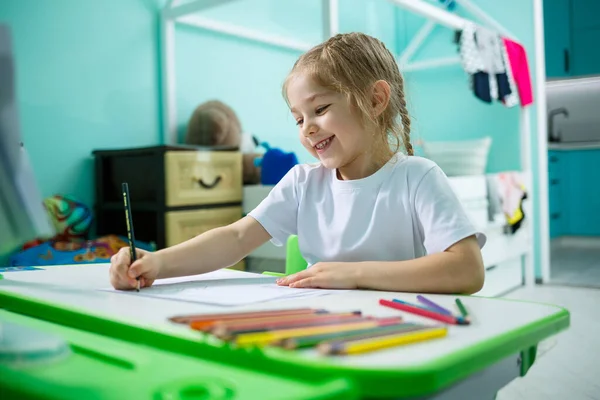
(368, 215)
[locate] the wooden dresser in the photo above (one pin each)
(176, 192)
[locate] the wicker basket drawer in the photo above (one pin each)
(198, 178)
(183, 225)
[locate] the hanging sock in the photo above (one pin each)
(517, 58)
(481, 86)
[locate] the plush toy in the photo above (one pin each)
(275, 163)
(214, 123)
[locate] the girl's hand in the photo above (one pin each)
(123, 274)
(330, 275)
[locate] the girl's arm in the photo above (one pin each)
(215, 249)
(459, 269)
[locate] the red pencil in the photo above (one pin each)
(420, 311)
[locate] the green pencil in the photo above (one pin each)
(311, 341)
(462, 309)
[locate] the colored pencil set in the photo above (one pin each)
(429, 309)
(331, 333)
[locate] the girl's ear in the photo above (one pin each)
(381, 97)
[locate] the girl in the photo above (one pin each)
(367, 216)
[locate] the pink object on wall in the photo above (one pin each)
(517, 58)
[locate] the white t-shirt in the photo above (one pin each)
(405, 210)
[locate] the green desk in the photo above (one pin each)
(471, 362)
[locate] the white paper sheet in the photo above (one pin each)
(226, 288)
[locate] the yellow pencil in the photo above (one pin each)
(381, 342)
(265, 338)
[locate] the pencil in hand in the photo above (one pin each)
(129, 222)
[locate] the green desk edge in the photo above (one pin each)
(376, 382)
(134, 371)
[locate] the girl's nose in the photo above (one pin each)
(310, 129)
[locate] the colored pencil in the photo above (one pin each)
(209, 325)
(187, 319)
(129, 222)
(266, 338)
(422, 312)
(413, 304)
(226, 331)
(382, 342)
(463, 310)
(311, 341)
(433, 305)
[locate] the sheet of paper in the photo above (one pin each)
(226, 288)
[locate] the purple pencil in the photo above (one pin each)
(433, 305)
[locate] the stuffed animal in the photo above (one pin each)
(214, 123)
(275, 163)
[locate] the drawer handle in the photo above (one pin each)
(209, 185)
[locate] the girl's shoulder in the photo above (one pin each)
(413, 168)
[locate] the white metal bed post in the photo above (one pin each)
(542, 143)
(529, 259)
(330, 18)
(167, 75)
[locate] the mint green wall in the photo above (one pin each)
(86, 79)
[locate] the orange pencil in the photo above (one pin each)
(208, 325)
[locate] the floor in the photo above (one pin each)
(575, 262)
(568, 366)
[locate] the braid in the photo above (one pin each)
(403, 111)
(406, 128)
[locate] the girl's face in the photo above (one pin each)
(330, 128)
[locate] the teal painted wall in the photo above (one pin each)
(86, 79)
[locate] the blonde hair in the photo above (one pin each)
(350, 64)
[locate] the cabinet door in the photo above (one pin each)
(585, 36)
(557, 38)
(586, 56)
(555, 193)
(582, 192)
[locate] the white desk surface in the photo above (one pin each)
(77, 287)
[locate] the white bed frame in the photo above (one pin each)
(176, 12)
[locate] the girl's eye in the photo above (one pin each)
(321, 110)
(299, 122)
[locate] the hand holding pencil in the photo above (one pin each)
(123, 272)
(130, 267)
